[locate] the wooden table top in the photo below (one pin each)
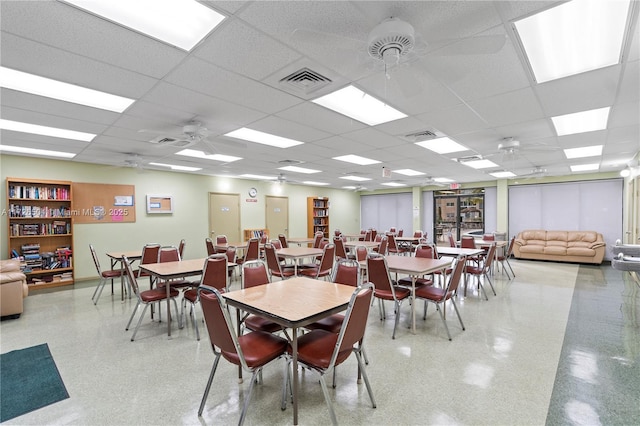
(131, 254)
(457, 251)
(300, 240)
(412, 265)
(294, 302)
(182, 268)
(367, 244)
(299, 252)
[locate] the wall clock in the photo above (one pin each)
(253, 192)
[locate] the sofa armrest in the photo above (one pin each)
(520, 242)
(597, 244)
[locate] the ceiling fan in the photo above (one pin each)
(535, 172)
(509, 149)
(431, 181)
(394, 42)
(193, 132)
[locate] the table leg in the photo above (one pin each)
(294, 366)
(413, 304)
(168, 288)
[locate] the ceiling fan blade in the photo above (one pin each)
(478, 45)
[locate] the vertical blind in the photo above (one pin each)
(384, 211)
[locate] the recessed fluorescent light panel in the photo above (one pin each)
(263, 138)
(442, 145)
(480, 164)
(34, 151)
(261, 177)
(408, 172)
(179, 23)
(585, 151)
(215, 157)
(55, 132)
(585, 167)
(501, 175)
(393, 184)
(355, 103)
(296, 169)
(581, 122)
(355, 178)
(574, 37)
(443, 180)
(174, 167)
(310, 182)
(356, 159)
(41, 86)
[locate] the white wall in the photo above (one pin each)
(190, 197)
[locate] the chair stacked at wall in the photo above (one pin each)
(254, 273)
(146, 297)
(504, 258)
(323, 269)
(482, 272)
(323, 350)
(378, 274)
(214, 274)
(104, 276)
(439, 296)
(251, 351)
(276, 269)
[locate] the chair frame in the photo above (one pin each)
(236, 356)
(104, 276)
(505, 258)
(273, 264)
(483, 271)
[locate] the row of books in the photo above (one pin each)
(39, 192)
(57, 227)
(18, 210)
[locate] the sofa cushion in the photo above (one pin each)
(555, 250)
(532, 248)
(531, 236)
(581, 251)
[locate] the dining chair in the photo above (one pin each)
(337, 233)
(452, 241)
(439, 296)
(214, 274)
(231, 253)
(442, 274)
(221, 240)
(392, 229)
(392, 246)
(255, 273)
(172, 254)
(418, 234)
(341, 251)
(378, 274)
(400, 233)
(149, 255)
(211, 249)
(482, 271)
(104, 276)
(181, 246)
(383, 247)
(504, 258)
(322, 350)
(468, 241)
(425, 251)
(146, 297)
(276, 269)
(283, 240)
(323, 269)
(251, 351)
(252, 252)
(367, 235)
(317, 238)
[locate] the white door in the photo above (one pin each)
(277, 216)
(224, 216)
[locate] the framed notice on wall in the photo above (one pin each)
(159, 204)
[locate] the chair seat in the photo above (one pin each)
(331, 323)
(258, 348)
(431, 293)
(401, 293)
(285, 272)
(406, 281)
(316, 348)
(156, 294)
(179, 284)
(470, 269)
(256, 323)
(313, 272)
(108, 274)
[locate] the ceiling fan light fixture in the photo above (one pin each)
(392, 34)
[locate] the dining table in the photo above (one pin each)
(297, 253)
(115, 258)
(414, 267)
(299, 240)
(166, 271)
(368, 244)
(293, 304)
(407, 242)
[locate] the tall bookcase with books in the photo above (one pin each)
(41, 230)
(317, 216)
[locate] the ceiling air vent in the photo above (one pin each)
(424, 135)
(290, 162)
(305, 80)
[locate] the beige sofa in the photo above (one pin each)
(13, 288)
(560, 246)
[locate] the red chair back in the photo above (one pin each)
(467, 241)
(341, 252)
(426, 251)
(452, 241)
(400, 232)
(253, 250)
(384, 243)
(378, 272)
(489, 237)
(361, 253)
(272, 259)
(354, 324)
(181, 246)
(150, 253)
(221, 239)
(210, 247)
(168, 254)
(328, 256)
(283, 240)
(220, 334)
(317, 239)
(214, 273)
(346, 272)
(417, 234)
(254, 273)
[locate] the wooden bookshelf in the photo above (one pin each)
(254, 233)
(317, 216)
(40, 230)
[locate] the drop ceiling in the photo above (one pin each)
(232, 79)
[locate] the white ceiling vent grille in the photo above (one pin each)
(421, 136)
(305, 80)
(290, 162)
(175, 142)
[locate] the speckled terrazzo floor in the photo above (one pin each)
(559, 344)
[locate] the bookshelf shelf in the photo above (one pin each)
(40, 230)
(317, 216)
